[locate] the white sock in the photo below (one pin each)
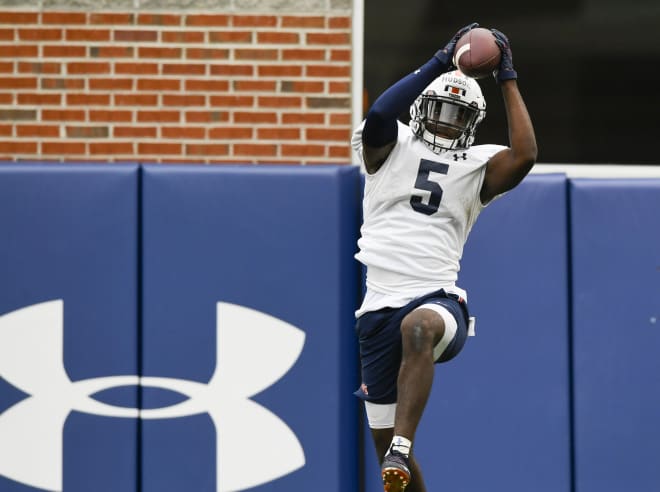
(401, 444)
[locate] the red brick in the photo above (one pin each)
(9, 17)
(328, 38)
(6, 98)
(158, 116)
(108, 84)
(64, 83)
(205, 20)
(303, 54)
(37, 130)
(278, 133)
(301, 86)
(65, 51)
(111, 148)
(303, 118)
(254, 85)
(135, 132)
(328, 71)
(39, 67)
(136, 36)
(136, 68)
(116, 18)
(232, 101)
(249, 117)
(304, 22)
(6, 34)
(339, 87)
(255, 54)
(254, 21)
(6, 130)
(339, 22)
(207, 149)
(63, 18)
(87, 99)
(280, 102)
(18, 51)
(206, 116)
(39, 99)
(340, 152)
(87, 131)
(230, 37)
(232, 70)
(207, 85)
(18, 82)
(184, 69)
(182, 37)
(63, 148)
(328, 134)
(303, 150)
(136, 99)
(87, 67)
(207, 54)
(340, 119)
(39, 34)
(279, 70)
(159, 19)
(114, 116)
(262, 150)
(183, 100)
(63, 114)
(17, 147)
(192, 132)
(278, 37)
(159, 52)
(18, 114)
(87, 35)
(340, 55)
(159, 148)
(111, 51)
(230, 133)
(159, 84)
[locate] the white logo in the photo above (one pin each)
(253, 445)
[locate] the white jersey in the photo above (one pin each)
(418, 210)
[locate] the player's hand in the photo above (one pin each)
(446, 54)
(505, 70)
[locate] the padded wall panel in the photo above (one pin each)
(498, 416)
(249, 289)
(616, 311)
(68, 327)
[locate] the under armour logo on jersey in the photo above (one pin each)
(461, 156)
(31, 359)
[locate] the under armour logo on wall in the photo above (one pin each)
(31, 359)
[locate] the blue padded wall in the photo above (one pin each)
(616, 324)
(68, 322)
(274, 245)
(498, 416)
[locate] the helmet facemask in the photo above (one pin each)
(446, 115)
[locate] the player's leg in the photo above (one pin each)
(421, 330)
(383, 415)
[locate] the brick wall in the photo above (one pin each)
(175, 86)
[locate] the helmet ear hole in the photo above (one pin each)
(447, 112)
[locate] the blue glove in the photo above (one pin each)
(505, 71)
(446, 54)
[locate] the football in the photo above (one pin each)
(477, 53)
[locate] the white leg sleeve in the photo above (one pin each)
(380, 416)
(450, 328)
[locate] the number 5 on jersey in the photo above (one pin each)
(424, 183)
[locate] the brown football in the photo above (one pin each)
(477, 54)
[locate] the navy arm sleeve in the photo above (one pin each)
(380, 127)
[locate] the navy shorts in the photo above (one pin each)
(379, 335)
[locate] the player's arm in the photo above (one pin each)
(379, 134)
(508, 168)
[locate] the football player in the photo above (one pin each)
(425, 187)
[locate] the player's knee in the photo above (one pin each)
(418, 334)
